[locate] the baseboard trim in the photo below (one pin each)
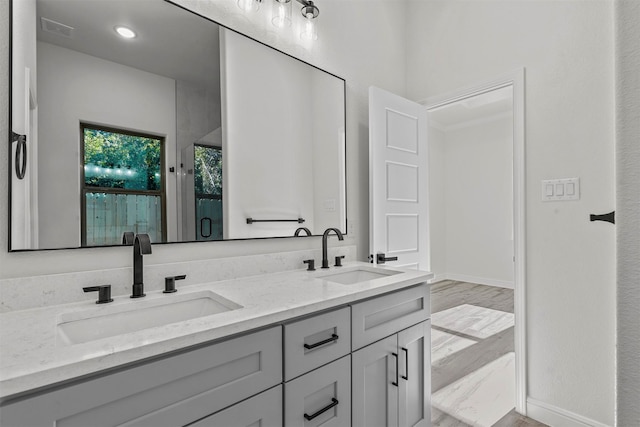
(438, 278)
(479, 280)
(558, 417)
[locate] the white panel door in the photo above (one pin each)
(398, 180)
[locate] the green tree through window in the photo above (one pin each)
(208, 192)
(118, 160)
(123, 186)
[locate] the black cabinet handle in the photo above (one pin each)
(395, 383)
(334, 402)
(382, 258)
(406, 364)
(333, 338)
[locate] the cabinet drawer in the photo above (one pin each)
(324, 395)
(380, 317)
(169, 392)
(264, 410)
(316, 341)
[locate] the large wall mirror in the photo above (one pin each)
(188, 131)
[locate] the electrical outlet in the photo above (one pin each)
(351, 229)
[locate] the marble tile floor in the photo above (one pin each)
(473, 374)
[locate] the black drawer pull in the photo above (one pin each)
(395, 383)
(334, 402)
(333, 338)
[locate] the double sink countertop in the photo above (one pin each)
(35, 354)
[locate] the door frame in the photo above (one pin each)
(515, 79)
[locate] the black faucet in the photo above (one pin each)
(141, 246)
(305, 229)
(325, 261)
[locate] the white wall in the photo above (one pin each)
(327, 153)
(437, 202)
(472, 203)
(567, 50)
(197, 112)
(628, 210)
(24, 42)
(268, 110)
(73, 88)
(352, 43)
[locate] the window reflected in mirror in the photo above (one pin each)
(122, 185)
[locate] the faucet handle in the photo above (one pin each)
(104, 293)
(339, 261)
(170, 283)
(311, 263)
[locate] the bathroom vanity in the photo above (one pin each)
(348, 345)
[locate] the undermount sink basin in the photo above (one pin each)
(355, 275)
(108, 321)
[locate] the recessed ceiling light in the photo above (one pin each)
(125, 32)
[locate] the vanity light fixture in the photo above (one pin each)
(125, 32)
(310, 12)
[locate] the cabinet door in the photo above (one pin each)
(323, 395)
(375, 397)
(263, 410)
(415, 376)
(168, 392)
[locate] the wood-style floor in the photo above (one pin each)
(464, 348)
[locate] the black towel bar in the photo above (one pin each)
(251, 220)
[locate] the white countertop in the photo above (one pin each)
(32, 356)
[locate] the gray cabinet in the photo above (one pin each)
(414, 399)
(367, 364)
(391, 380)
(391, 369)
(263, 410)
(316, 341)
(375, 398)
(380, 317)
(320, 397)
(317, 366)
(171, 392)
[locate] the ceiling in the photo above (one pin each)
(170, 41)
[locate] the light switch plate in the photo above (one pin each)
(554, 190)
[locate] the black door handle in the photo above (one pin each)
(610, 217)
(202, 222)
(382, 258)
(21, 155)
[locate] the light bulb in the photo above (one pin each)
(309, 31)
(125, 32)
(281, 13)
